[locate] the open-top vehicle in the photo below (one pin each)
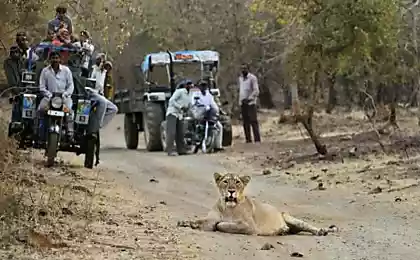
(50, 133)
(145, 107)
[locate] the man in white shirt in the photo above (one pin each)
(57, 78)
(206, 98)
(98, 75)
(179, 102)
(88, 49)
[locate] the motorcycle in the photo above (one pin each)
(24, 110)
(55, 120)
(57, 133)
(200, 130)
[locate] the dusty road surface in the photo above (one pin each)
(384, 225)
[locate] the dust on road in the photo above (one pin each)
(371, 226)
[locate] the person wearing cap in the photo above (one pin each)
(109, 83)
(57, 78)
(204, 97)
(12, 66)
(61, 20)
(88, 49)
(179, 102)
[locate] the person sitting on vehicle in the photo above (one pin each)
(13, 66)
(87, 49)
(98, 74)
(43, 51)
(109, 83)
(63, 39)
(57, 78)
(178, 104)
(61, 20)
(23, 44)
(206, 99)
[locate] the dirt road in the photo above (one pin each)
(372, 227)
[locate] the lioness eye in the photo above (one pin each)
(225, 181)
(238, 182)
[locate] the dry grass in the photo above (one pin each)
(68, 212)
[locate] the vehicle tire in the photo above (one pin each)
(90, 151)
(131, 134)
(163, 135)
(210, 143)
(152, 120)
(227, 132)
(52, 147)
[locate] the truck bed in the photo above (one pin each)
(129, 100)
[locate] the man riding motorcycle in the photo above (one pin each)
(206, 98)
(57, 78)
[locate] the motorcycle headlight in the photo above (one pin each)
(57, 102)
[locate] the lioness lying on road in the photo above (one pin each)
(238, 214)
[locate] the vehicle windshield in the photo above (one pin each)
(190, 71)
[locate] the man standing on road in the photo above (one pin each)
(248, 94)
(178, 103)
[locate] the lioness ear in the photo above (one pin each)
(217, 177)
(245, 179)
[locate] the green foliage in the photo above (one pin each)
(348, 37)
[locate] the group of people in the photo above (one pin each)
(181, 102)
(57, 76)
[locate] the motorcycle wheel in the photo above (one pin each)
(90, 151)
(52, 146)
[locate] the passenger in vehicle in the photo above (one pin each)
(99, 74)
(23, 44)
(43, 50)
(13, 66)
(87, 52)
(63, 39)
(60, 21)
(109, 83)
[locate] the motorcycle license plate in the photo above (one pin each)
(55, 113)
(29, 106)
(83, 111)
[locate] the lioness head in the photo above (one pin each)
(231, 187)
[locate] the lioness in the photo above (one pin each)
(238, 214)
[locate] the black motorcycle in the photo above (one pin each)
(200, 131)
(24, 110)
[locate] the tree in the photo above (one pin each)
(354, 38)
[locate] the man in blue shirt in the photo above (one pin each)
(60, 21)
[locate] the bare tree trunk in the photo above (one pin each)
(295, 99)
(332, 95)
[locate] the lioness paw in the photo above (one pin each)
(322, 232)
